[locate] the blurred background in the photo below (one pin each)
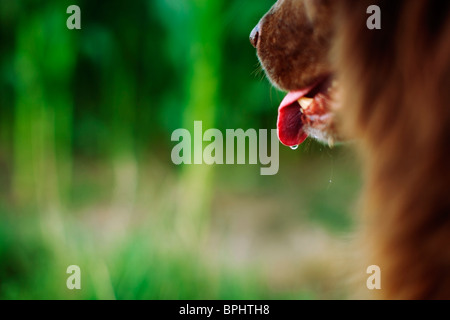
(86, 178)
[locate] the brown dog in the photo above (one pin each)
(389, 89)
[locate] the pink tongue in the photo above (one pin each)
(290, 126)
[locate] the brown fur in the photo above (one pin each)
(395, 98)
(293, 37)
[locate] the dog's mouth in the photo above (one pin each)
(307, 112)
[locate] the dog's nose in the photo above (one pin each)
(254, 36)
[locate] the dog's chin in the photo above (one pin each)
(308, 112)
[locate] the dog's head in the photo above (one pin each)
(393, 86)
(293, 41)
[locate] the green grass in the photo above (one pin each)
(140, 252)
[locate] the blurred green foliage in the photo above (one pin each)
(85, 173)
